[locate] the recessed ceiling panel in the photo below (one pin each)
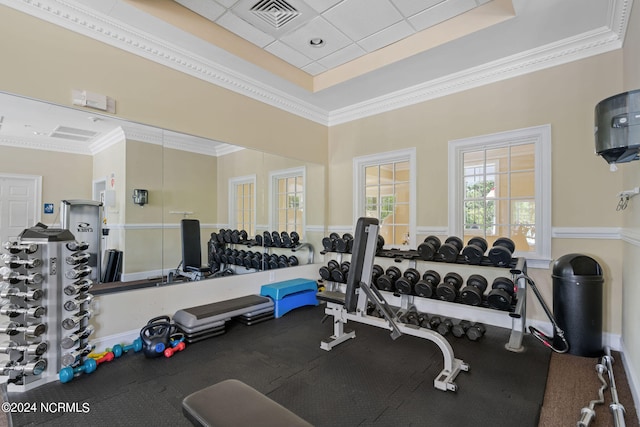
(333, 40)
(289, 54)
(322, 5)
(441, 12)
(361, 18)
(208, 9)
(411, 7)
(387, 36)
(245, 30)
(342, 56)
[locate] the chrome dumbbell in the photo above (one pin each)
(33, 331)
(78, 287)
(13, 310)
(78, 272)
(74, 339)
(35, 367)
(74, 321)
(77, 246)
(78, 258)
(32, 349)
(73, 356)
(75, 304)
(29, 295)
(13, 277)
(16, 248)
(14, 261)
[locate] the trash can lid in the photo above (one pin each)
(576, 265)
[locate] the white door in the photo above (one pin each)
(19, 203)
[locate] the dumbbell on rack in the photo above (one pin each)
(501, 295)
(341, 273)
(404, 284)
(450, 250)
(450, 286)
(473, 293)
(473, 253)
(386, 282)
(473, 331)
(426, 287)
(428, 249)
(501, 253)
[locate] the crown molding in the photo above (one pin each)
(49, 145)
(113, 137)
(106, 29)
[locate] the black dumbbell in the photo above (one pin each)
(344, 243)
(404, 285)
(376, 272)
(449, 251)
(341, 273)
(411, 317)
(293, 261)
(220, 235)
(433, 323)
(426, 287)
(295, 238)
(283, 261)
(286, 240)
(473, 293)
(428, 249)
(258, 240)
(235, 236)
(501, 295)
(450, 286)
(325, 271)
(379, 243)
(445, 327)
(476, 331)
(502, 251)
(474, 251)
(387, 281)
(227, 236)
(275, 238)
(267, 242)
(460, 329)
(423, 320)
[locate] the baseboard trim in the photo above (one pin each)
(632, 378)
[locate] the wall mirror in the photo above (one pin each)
(63, 153)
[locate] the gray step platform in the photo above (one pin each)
(194, 318)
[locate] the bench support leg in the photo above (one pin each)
(340, 334)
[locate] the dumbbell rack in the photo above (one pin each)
(47, 304)
(517, 313)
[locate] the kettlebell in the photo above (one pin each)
(156, 336)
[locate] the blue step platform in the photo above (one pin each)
(290, 294)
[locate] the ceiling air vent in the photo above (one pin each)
(74, 134)
(275, 12)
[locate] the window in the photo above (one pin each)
(242, 201)
(384, 188)
(500, 186)
(287, 195)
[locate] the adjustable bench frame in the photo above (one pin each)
(352, 306)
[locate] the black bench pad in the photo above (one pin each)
(232, 403)
(331, 296)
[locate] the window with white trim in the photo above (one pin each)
(384, 188)
(287, 200)
(500, 186)
(242, 202)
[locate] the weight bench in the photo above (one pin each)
(353, 303)
(204, 321)
(191, 265)
(232, 403)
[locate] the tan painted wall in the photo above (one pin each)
(46, 62)
(64, 176)
(564, 96)
(631, 216)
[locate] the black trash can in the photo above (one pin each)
(577, 304)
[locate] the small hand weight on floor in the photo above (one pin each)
(448, 289)
(404, 285)
(474, 251)
(449, 251)
(473, 293)
(476, 331)
(445, 327)
(501, 295)
(429, 248)
(426, 287)
(460, 329)
(502, 251)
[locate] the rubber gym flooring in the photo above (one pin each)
(371, 380)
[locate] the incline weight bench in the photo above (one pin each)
(352, 305)
(191, 265)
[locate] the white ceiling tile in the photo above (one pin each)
(322, 5)
(314, 69)
(387, 36)
(361, 18)
(288, 54)
(342, 56)
(242, 28)
(317, 27)
(226, 3)
(411, 7)
(440, 13)
(208, 9)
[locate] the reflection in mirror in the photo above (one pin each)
(65, 154)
